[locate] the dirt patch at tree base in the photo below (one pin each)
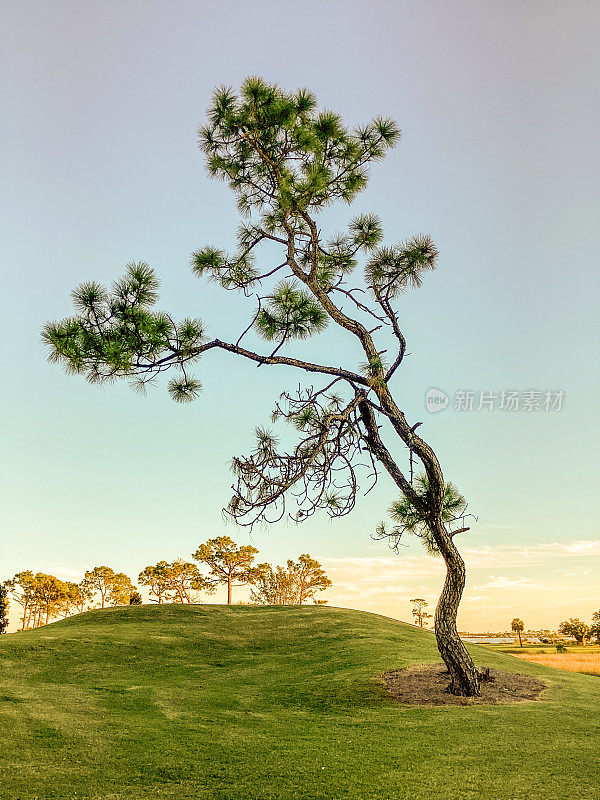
(427, 684)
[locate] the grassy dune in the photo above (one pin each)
(218, 703)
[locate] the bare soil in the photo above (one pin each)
(427, 684)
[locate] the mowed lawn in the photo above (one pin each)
(210, 702)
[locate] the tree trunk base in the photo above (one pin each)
(464, 680)
(462, 690)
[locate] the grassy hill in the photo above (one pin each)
(216, 703)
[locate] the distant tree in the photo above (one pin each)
(97, 581)
(518, 627)
(576, 628)
(113, 587)
(229, 564)
(49, 597)
(595, 627)
(174, 582)
(135, 598)
(44, 597)
(3, 609)
(76, 597)
(156, 578)
(70, 597)
(273, 586)
(41, 596)
(120, 590)
(20, 587)
(183, 578)
(309, 577)
(290, 585)
(80, 595)
(419, 612)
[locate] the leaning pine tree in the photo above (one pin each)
(286, 161)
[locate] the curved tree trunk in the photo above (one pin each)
(463, 675)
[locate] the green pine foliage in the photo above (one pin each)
(409, 519)
(291, 313)
(285, 159)
(392, 270)
(117, 332)
(315, 157)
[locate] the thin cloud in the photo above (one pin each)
(387, 568)
(518, 555)
(502, 582)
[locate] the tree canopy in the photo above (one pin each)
(574, 627)
(42, 597)
(228, 562)
(290, 585)
(418, 611)
(113, 587)
(595, 626)
(518, 626)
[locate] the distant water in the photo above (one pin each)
(490, 639)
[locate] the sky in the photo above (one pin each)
(499, 110)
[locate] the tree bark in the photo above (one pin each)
(229, 591)
(463, 675)
(25, 615)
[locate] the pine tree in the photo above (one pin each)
(114, 588)
(286, 161)
(229, 563)
(419, 612)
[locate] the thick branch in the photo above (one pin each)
(307, 366)
(383, 455)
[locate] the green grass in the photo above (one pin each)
(215, 703)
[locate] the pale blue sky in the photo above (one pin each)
(498, 103)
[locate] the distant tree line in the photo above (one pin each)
(291, 585)
(581, 631)
(573, 627)
(44, 598)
